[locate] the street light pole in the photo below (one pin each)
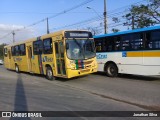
(105, 18)
(47, 26)
(13, 33)
(94, 11)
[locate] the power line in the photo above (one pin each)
(109, 15)
(41, 12)
(95, 19)
(60, 13)
(70, 9)
(81, 22)
(6, 35)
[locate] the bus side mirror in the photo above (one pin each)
(67, 46)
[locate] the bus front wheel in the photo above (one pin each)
(49, 73)
(111, 70)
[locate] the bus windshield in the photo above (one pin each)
(80, 49)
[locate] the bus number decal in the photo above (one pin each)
(101, 56)
(17, 59)
(46, 59)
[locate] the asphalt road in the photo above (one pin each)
(96, 92)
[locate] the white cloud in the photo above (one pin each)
(21, 33)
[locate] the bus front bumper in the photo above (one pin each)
(76, 73)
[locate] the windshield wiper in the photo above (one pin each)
(81, 47)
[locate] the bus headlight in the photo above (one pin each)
(72, 62)
(72, 65)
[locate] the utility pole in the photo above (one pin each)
(47, 26)
(13, 33)
(132, 22)
(105, 18)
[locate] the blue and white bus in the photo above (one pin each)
(130, 52)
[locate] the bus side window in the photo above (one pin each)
(117, 43)
(98, 44)
(126, 42)
(37, 47)
(136, 41)
(5, 52)
(109, 44)
(16, 50)
(12, 49)
(47, 46)
(22, 49)
(148, 44)
(98, 48)
(154, 41)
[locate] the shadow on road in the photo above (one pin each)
(139, 77)
(133, 77)
(57, 78)
(70, 79)
(20, 103)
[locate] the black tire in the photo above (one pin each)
(49, 73)
(111, 70)
(16, 68)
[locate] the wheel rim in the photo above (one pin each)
(49, 73)
(111, 70)
(17, 69)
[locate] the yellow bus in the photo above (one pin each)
(66, 54)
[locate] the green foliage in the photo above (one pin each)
(115, 30)
(143, 15)
(1, 50)
(115, 20)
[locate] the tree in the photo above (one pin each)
(143, 15)
(115, 30)
(115, 20)
(154, 9)
(1, 50)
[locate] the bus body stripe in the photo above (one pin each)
(143, 54)
(76, 61)
(79, 64)
(82, 63)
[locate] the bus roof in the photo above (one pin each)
(43, 36)
(127, 32)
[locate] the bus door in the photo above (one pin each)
(60, 61)
(29, 48)
(9, 59)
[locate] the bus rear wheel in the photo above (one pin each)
(17, 68)
(49, 73)
(111, 70)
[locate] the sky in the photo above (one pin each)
(21, 15)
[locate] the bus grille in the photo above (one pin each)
(83, 71)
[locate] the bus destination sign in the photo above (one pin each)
(78, 34)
